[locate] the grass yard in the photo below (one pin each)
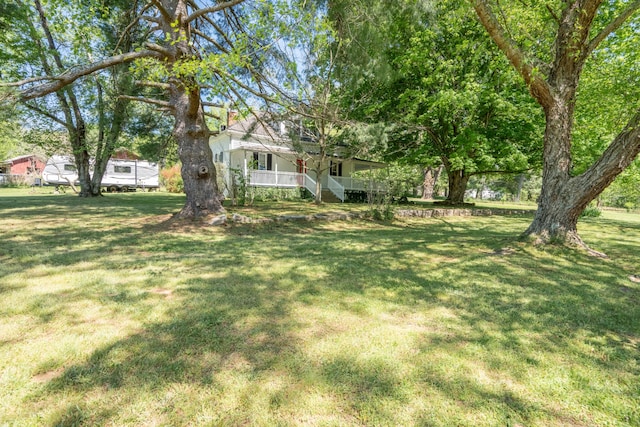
(109, 317)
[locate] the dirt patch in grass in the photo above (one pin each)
(48, 376)
(167, 293)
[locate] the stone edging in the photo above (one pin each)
(428, 213)
(337, 216)
(329, 216)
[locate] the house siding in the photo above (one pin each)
(28, 165)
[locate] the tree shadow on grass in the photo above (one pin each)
(236, 332)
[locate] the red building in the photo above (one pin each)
(30, 164)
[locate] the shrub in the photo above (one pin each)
(591, 212)
(172, 179)
(267, 194)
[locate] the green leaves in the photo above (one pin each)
(450, 91)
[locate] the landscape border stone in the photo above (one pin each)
(344, 216)
(428, 213)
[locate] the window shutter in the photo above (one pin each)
(340, 169)
(269, 162)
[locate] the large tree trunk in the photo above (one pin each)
(457, 186)
(109, 130)
(563, 198)
(431, 176)
(557, 214)
(190, 129)
(198, 171)
(84, 173)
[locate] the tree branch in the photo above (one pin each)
(220, 6)
(537, 86)
(131, 25)
(210, 40)
(613, 25)
(160, 49)
(163, 86)
(45, 113)
(212, 104)
(29, 80)
(163, 104)
(153, 19)
(217, 117)
(163, 11)
(71, 76)
(618, 155)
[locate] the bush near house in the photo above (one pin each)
(171, 179)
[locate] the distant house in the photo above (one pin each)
(30, 164)
(268, 158)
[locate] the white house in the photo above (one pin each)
(267, 158)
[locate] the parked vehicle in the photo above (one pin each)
(120, 175)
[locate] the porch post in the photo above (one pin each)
(245, 167)
(276, 174)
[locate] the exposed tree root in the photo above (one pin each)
(568, 239)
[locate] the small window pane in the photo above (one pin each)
(262, 161)
(122, 169)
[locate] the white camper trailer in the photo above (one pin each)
(120, 175)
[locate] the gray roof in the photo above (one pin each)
(252, 126)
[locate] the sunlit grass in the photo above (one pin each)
(107, 317)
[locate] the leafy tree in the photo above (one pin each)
(54, 37)
(445, 96)
(10, 136)
(550, 45)
(178, 35)
(624, 192)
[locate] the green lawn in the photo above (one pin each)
(110, 317)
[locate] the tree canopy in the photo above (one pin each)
(446, 94)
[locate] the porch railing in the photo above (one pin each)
(309, 184)
(336, 184)
(276, 179)
(336, 188)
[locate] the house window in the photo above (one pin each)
(69, 167)
(221, 157)
(263, 161)
(335, 169)
(122, 169)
